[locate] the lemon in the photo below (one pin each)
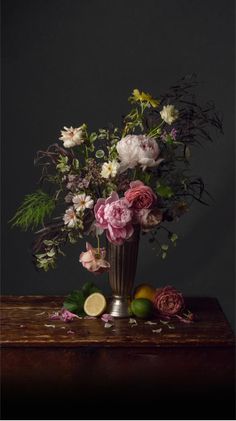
(144, 291)
(95, 304)
(142, 307)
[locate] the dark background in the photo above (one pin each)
(66, 62)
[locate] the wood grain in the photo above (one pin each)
(23, 320)
(47, 373)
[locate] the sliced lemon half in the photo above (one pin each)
(95, 304)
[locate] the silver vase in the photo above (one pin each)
(123, 261)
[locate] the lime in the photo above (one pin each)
(142, 307)
(95, 304)
(144, 291)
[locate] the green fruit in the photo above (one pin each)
(142, 307)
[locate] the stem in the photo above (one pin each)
(86, 152)
(98, 243)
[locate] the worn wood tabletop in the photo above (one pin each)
(25, 321)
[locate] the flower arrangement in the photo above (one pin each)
(117, 179)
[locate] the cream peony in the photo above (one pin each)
(136, 150)
(169, 114)
(82, 202)
(72, 136)
(110, 169)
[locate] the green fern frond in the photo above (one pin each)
(33, 211)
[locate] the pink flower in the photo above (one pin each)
(149, 218)
(140, 196)
(168, 301)
(115, 216)
(94, 260)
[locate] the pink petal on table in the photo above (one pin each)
(55, 316)
(107, 318)
(182, 319)
(67, 316)
(64, 315)
(70, 332)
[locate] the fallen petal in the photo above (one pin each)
(182, 319)
(133, 321)
(150, 323)
(67, 316)
(164, 322)
(108, 325)
(157, 330)
(50, 326)
(107, 318)
(40, 314)
(70, 332)
(55, 316)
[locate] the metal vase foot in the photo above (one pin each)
(119, 306)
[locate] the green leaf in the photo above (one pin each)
(89, 288)
(75, 302)
(164, 191)
(36, 207)
(99, 153)
(62, 165)
(164, 247)
(174, 237)
(93, 136)
(75, 164)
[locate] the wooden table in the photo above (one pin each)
(57, 370)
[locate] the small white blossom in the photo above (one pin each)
(70, 218)
(72, 136)
(82, 202)
(109, 169)
(169, 114)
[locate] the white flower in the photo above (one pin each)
(82, 202)
(72, 136)
(169, 114)
(138, 149)
(109, 169)
(70, 218)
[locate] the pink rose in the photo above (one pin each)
(94, 260)
(149, 218)
(115, 216)
(168, 301)
(119, 235)
(140, 196)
